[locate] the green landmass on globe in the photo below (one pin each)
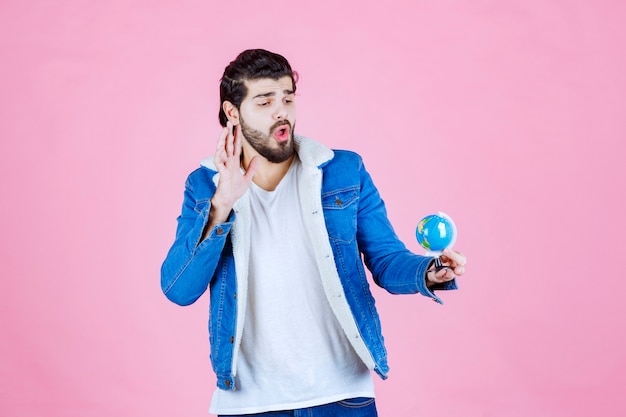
(420, 231)
(436, 232)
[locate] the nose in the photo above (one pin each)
(280, 113)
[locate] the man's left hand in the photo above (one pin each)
(455, 263)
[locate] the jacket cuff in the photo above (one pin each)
(430, 292)
(220, 231)
(226, 382)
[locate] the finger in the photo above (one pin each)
(443, 275)
(448, 274)
(455, 257)
(222, 138)
(229, 140)
(237, 142)
(220, 152)
(252, 167)
(220, 162)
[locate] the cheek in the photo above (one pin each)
(250, 118)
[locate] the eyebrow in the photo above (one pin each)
(287, 92)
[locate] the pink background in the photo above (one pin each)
(507, 115)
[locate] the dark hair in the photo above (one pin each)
(251, 64)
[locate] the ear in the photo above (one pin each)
(231, 112)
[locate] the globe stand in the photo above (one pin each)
(439, 266)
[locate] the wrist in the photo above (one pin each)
(218, 212)
(220, 206)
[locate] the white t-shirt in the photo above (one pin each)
(293, 352)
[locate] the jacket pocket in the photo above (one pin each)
(340, 212)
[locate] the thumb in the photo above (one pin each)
(252, 167)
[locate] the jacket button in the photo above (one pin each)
(219, 231)
(227, 383)
(232, 339)
(235, 296)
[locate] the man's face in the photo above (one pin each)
(268, 116)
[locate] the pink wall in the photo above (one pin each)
(509, 116)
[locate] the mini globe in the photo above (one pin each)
(436, 232)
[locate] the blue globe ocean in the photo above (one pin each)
(436, 232)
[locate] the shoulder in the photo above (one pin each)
(346, 157)
(201, 180)
(344, 161)
(343, 171)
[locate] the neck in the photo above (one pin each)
(268, 174)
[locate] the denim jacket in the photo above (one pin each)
(347, 224)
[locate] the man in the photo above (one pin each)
(275, 225)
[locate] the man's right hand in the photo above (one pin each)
(233, 183)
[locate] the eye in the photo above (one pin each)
(263, 103)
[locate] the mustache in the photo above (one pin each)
(279, 124)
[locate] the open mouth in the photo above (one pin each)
(281, 133)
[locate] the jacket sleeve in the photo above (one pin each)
(190, 262)
(392, 265)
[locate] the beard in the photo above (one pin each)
(260, 142)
